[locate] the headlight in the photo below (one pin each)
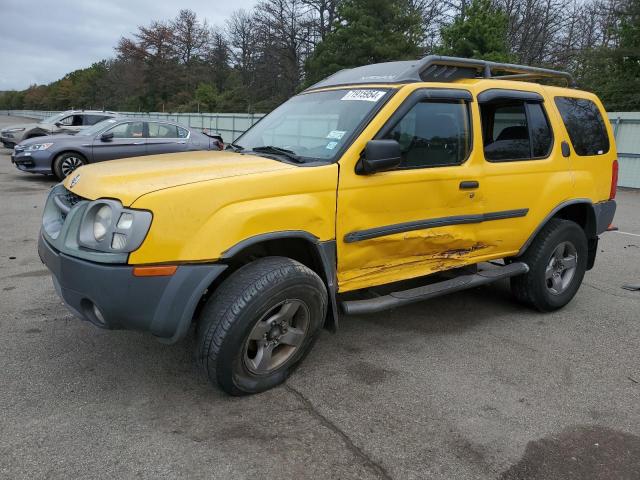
(13, 130)
(37, 146)
(107, 226)
(101, 222)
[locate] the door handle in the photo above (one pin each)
(469, 185)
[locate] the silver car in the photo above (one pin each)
(108, 140)
(70, 121)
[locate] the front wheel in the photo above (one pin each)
(259, 324)
(557, 260)
(66, 163)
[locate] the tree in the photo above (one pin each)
(614, 73)
(367, 31)
(478, 32)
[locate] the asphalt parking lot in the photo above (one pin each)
(469, 386)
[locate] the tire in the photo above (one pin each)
(550, 284)
(259, 324)
(65, 163)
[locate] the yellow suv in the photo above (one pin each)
(377, 187)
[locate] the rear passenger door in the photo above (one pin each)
(166, 138)
(525, 175)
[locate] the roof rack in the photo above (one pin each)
(435, 68)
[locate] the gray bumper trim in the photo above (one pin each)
(163, 306)
(605, 211)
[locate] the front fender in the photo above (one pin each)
(199, 222)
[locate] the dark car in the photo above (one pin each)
(108, 140)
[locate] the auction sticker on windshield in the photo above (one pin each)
(364, 95)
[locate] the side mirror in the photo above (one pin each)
(58, 124)
(379, 156)
(106, 137)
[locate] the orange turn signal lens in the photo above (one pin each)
(155, 271)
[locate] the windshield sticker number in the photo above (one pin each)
(364, 95)
(332, 145)
(336, 134)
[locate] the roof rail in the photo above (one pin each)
(435, 68)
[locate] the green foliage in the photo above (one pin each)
(614, 73)
(280, 46)
(479, 32)
(367, 31)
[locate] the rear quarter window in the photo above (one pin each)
(584, 124)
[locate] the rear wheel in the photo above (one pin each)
(557, 261)
(66, 163)
(259, 324)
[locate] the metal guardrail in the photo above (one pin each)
(626, 128)
(229, 125)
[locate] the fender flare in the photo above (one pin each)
(325, 250)
(551, 214)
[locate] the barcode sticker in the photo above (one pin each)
(364, 95)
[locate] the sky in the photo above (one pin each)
(41, 41)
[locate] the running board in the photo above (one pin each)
(405, 297)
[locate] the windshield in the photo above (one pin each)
(313, 126)
(55, 118)
(97, 128)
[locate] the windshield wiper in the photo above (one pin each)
(235, 147)
(290, 154)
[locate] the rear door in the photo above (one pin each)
(124, 140)
(525, 175)
(166, 138)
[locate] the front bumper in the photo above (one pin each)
(163, 306)
(32, 162)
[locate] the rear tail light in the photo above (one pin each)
(614, 180)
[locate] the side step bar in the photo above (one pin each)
(405, 297)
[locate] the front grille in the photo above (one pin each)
(71, 198)
(67, 200)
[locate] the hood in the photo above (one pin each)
(128, 179)
(26, 126)
(51, 139)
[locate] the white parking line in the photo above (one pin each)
(626, 233)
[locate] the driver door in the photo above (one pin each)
(71, 124)
(128, 140)
(419, 218)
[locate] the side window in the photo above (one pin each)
(515, 130)
(162, 130)
(183, 132)
(584, 124)
(433, 134)
(128, 130)
(93, 119)
(66, 121)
